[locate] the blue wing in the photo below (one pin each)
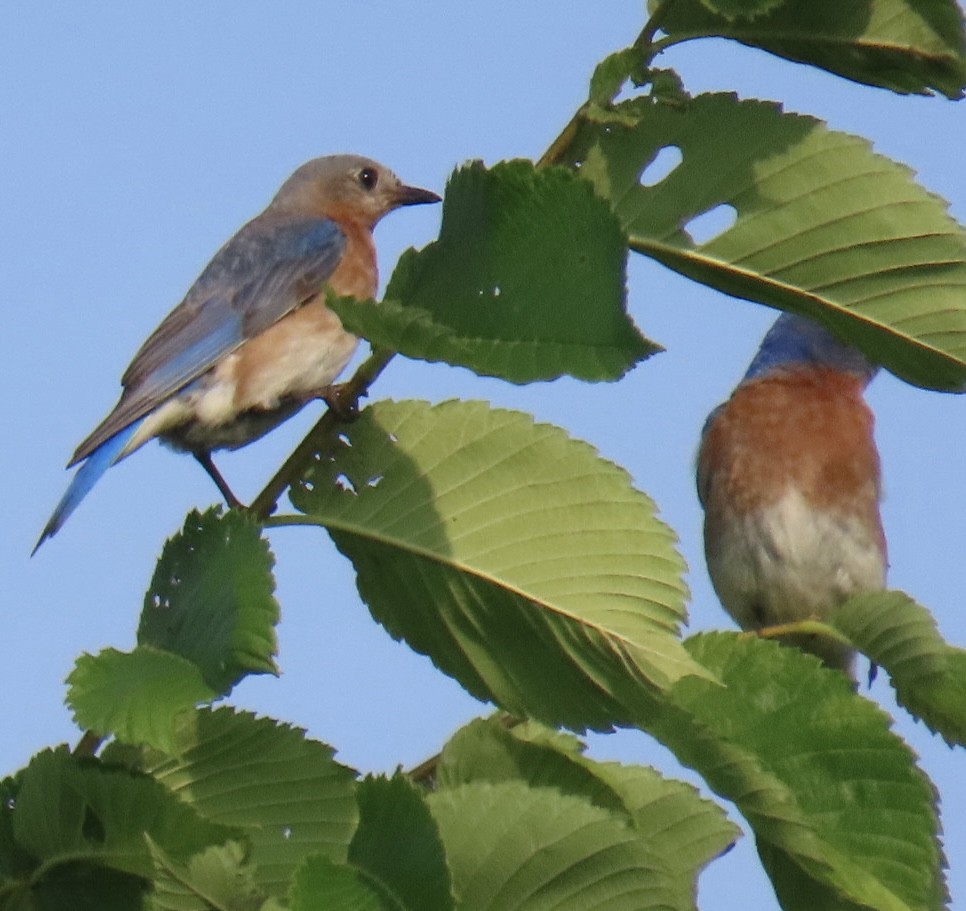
(273, 265)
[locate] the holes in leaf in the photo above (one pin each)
(708, 225)
(661, 166)
(344, 482)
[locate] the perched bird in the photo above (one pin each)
(788, 475)
(253, 340)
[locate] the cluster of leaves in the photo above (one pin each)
(530, 569)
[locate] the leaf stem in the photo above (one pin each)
(645, 40)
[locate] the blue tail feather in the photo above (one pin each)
(85, 478)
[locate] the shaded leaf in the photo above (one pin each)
(398, 845)
(514, 847)
(526, 282)
(902, 45)
(521, 562)
(928, 675)
(824, 226)
(70, 811)
(139, 697)
(211, 599)
(284, 791)
(842, 816)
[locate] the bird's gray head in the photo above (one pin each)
(347, 189)
(796, 341)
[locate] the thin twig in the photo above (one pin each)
(88, 745)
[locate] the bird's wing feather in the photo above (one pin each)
(269, 268)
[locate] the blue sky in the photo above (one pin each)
(136, 139)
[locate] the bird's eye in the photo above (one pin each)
(369, 177)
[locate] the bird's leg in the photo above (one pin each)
(205, 461)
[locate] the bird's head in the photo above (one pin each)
(347, 188)
(794, 341)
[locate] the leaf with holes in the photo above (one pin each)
(815, 770)
(526, 282)
(824, 226)
(902, 45)
(522, 563)
(899, 635)
(286, 792)
(211, 599)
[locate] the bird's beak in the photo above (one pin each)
(414, 196)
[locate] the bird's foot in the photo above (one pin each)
(342, 400)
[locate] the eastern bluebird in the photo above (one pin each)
(788, 475)
(253, 340)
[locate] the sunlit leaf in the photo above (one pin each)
(929, 676)
(217, 877)
(139, 697)
(512, 846)
(823, 226)
(842, 815)
(903, 45)
(524, 564)
(677, 826)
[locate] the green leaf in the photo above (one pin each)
(526, 282)
(824, 226)
(614, 70)
(285, 791)
(514, 847)
(842, 816)
(741, 9)
(678, 827)
(218, 877)
(397, 844)
(78, 887)
(70, 811)
(928, 675)
(139, 697)
(522, 563)
(320, 883)
(902, 45)
(211, 599)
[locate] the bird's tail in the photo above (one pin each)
(85, 478)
